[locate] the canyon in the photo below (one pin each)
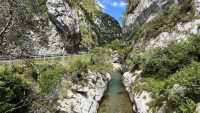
(69, 56)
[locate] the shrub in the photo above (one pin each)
(184, 103)
(87, 37)
(188, 77)
(79, 64)
(50, 78)
(168, 60)
(149, 84)
(14, 94)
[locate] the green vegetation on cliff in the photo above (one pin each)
(165, 21)
(162, 63)
(177, 64)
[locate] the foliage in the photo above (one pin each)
(87, 38)
(149, 84)
(100, 59)
(161, 89)
(14, 94)
(120, 46)
(50, 78)
(163, 68)
(168, 60)
(79, 65)
(90, 5)
(187, 77)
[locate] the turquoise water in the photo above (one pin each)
(116, 99)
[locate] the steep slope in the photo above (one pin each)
(54, 27)
(164, 55)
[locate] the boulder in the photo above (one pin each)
(85, 98)
(198, 108)
(140, 100)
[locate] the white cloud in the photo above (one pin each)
(114, 4)
(111, 3)
(123, 4)
(118, 4)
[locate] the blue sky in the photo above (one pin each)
(115, 8)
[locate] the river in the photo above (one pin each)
(116, 99)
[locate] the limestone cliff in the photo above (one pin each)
(61, 27)
(160, 30)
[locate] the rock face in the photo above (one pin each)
(140, 100)
(109, 28)
(66, 21)
(144, 11)
(182, 32)
(197, 7)
(59, 36)
(62, 34)
(85, 98)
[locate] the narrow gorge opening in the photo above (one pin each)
(63, 56)
(116, 99)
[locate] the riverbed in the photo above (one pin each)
(116, 99)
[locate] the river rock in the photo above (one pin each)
(198, 108)
(85, 98)
(197, 7)
(140, 100)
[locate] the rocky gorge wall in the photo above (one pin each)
(69, 27)
(145, 87)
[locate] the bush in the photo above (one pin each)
(14, 94)
(50, 78)
(79, 64)
(188, 77)
(184, 103)
(87, 38)
(168, 60)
